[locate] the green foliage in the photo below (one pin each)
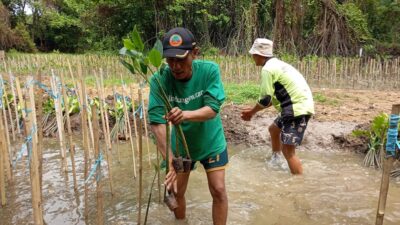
(210, 51)
(48, 106)
(321, 98)
(242, 93)
(25, 42)
(219, 25)
(357, 21)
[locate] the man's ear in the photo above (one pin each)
(196, 52)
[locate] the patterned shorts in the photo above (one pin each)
(292, 129)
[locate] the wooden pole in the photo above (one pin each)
(3, 161)
(59, 119)
(140, 163)
(129, 132)
(158, 175)
(7, 145)
(69, 131)
(15, 101)
(387, 168)
(106, 136)
(134, 120)
(85, 134)
(105, 111)
(21, 103)
(146, 133)
(39, 97)
(34, 162)
(117, 139)
(9, 112)
(99, 188)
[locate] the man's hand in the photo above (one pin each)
(170, 179)
(176, 116)
(247, 114)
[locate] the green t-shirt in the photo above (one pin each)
(204, 139)
(290, 93)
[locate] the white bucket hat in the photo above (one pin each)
(263, 47)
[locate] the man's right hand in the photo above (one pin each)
(247, 114)
(170, 179)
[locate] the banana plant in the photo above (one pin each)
(141, 62)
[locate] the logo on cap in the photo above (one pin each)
(175, 40)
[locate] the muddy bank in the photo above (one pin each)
(319, 136)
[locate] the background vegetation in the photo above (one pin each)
(303, 27)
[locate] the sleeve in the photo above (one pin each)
(267, 87)
(156, 108)
(214, 94)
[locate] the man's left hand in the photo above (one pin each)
(176, 116)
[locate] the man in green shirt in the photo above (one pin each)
(195, 91)
(286, 89)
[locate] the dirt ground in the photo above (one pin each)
(337, 113)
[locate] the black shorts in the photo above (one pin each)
(217, 162)
(292, 129)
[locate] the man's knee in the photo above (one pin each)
(218, 192)
(274, 129)
(288, 151)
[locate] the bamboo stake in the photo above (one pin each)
(69, 131)
(34, 162)
(145, 129)
(134, 119)
(99, 187)
(105, 111)
(106, 136)
(158, 175)
(9, 112)
(7, 146)
(39, 95)
(387, 168)
(140, 163)
(118, 153)
(6, 128)
(129, 132)
(21, 103)
(59, 119)
(102, 113)
(85, 134)
(15, 101)
(91, 137)
(3, 162)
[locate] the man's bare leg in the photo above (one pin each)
(275, 133)
(293, 161)
(216, 184)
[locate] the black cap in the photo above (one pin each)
(178, 42)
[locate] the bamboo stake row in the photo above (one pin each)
(30, 117)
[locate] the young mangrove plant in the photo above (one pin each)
(377, 139)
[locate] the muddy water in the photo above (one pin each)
(335, 189)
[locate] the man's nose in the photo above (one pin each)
(175, 65)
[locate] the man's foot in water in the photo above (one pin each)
(277, 161)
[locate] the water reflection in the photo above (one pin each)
(335, 189)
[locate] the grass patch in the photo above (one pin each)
(321, 98)
(242, 93)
